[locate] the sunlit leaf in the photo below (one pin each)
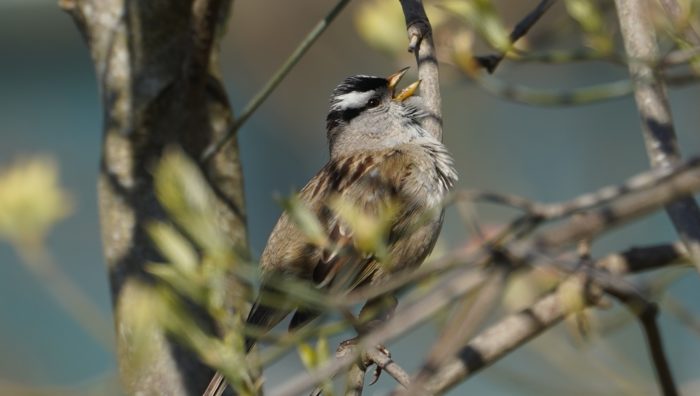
(307, 355)
(369, 230)
(382, 24)
(185, 193)
(572, 295)
(305, 220)
(589, 16)
(481, 15)
(185, 283)
(174, 246)
(31, 200)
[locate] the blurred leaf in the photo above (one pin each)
(462, 52)
(184, 283)
(369, 230)
(572, 295)
(307, 355)
(187, 196)
(305, 220)
(590, 17)
(525, 287)
(174, 247)
(382, 24)
(481, 15)
(180, 321)
(322, 350)
(31, 201)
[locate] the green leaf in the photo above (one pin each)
(305, 220)
(307, 354)
(174, 246)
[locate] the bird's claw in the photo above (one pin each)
(377, 368)
(366, 361)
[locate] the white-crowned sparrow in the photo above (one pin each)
(383, 164)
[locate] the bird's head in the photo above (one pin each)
(367, 112)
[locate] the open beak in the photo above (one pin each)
(406, 92)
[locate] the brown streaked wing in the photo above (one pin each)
(370, 181)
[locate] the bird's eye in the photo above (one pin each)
(374, 102)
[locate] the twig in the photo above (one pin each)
(356, 372)
(553, 97)
(646, 312)
(420, 38)
(683, 181)
(389, 366)
(637, 259)
(68, 294)
(276, 78)
(385, 363)
(490, 62)
(657, 124)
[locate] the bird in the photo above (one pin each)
(385, 166)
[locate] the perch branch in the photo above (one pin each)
(420, 39)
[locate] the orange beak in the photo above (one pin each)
(406, 92)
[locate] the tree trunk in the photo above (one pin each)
(156, 63)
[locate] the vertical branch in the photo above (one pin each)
(657, 124)
(646, 312)
(420, 38)
(155, 63)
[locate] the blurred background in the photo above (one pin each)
(49, 105)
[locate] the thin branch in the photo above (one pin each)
(638, 259)
(420, 38)
(553, 97)
(356, 372)
(276, 78)
(389, 366)
(638, 34)
(490, 62)
(647, 313)
(684, 181)
(69, 295)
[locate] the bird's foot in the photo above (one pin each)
(348, 346)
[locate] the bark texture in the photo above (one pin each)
(156, 64)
